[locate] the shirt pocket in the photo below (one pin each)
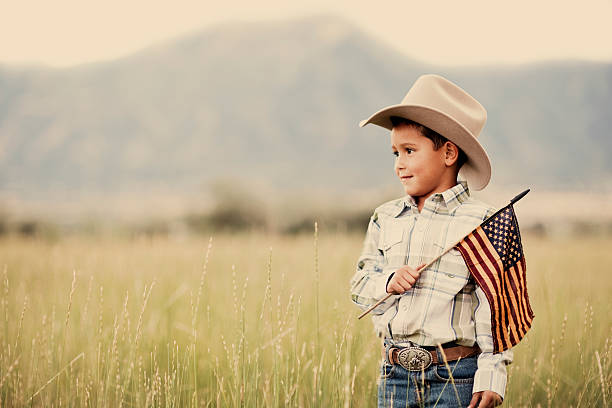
(453, 272)
(454, 254)
(390, 243)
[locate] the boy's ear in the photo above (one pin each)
(451, 152)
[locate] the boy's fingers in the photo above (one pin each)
(418, 270)
(489, 399)
(406, 275)
(401, 289)
(486, 401)
(407, 282)
(475, 399)
(400, 283)
(411, 275)
(415, 273)
(404, 279)
(397, 288)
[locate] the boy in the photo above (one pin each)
(434, 139)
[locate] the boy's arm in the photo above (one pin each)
(369, 283)
(491, 372)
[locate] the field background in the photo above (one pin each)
(158, 205)
(255, 319)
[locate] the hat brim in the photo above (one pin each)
(476, 170)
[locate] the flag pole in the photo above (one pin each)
(514, 200)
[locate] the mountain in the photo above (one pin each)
(279, 103)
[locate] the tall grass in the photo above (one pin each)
(258, 321)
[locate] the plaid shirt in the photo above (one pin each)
(445, 304)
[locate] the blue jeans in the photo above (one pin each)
(432, 387)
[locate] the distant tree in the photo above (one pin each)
(235, 207)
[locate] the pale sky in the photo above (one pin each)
(68, 32)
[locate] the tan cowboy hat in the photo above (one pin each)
(441, 105)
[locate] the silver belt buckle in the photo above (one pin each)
(414, 358)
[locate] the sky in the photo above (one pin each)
(62, 33)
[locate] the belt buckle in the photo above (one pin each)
(414, 358)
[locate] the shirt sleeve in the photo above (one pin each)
(491, 373)
(369, 283)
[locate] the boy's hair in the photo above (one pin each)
(437, 139)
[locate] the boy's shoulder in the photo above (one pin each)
(475, 207)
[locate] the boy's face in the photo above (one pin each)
(421, 169)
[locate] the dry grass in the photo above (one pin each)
(253, 320)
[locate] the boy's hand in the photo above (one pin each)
(403, 279)
(486, 398)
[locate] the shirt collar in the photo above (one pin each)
(451, 198)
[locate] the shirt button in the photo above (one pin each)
(450, 275)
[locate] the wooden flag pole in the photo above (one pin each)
(514, 200)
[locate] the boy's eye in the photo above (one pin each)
(408, 149)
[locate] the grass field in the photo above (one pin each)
(259, 321)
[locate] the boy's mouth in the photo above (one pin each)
(405, 177)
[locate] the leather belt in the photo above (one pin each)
(416, 358)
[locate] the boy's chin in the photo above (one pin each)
(410, 191)
(415, 193)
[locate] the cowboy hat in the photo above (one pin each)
(441, 105)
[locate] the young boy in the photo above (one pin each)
(434, 135)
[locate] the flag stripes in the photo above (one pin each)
(493, 254)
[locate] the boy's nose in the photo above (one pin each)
(400, 163)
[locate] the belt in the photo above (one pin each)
(417, 358)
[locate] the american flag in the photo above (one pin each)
(494, 255)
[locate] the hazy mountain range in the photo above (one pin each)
(279, 103)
